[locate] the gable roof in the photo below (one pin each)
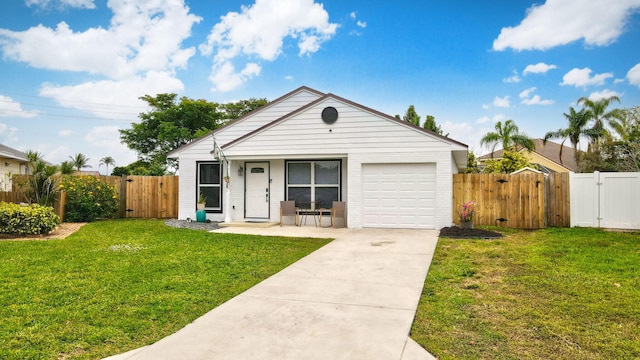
(349, 102)
(11, 153)
(270, 104)
(550, 151)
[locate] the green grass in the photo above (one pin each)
(548, 294)
(117, 285)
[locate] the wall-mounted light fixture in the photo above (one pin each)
(240, 171)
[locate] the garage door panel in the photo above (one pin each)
(399, 195)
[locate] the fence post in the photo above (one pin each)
(61, 204)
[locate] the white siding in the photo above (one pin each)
(201, 147)
(359, 137)
(354, 131)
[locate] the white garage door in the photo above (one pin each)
(399, 195)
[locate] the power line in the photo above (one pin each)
(74, 101)
(65, 115)
(63, 108)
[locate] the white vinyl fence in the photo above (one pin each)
(607, 200)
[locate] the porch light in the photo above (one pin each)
(240, 171)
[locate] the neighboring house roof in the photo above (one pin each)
(11, 153)
(550, 151)
(527, 169)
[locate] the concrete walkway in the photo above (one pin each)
(354, 298)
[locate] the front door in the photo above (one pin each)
(257, 190)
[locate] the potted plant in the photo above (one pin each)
(202, 200)
(466, 215)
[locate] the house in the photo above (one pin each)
(12, 162)
(311, 146)
(545, 156)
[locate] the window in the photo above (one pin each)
(209, 184)
(317, 181)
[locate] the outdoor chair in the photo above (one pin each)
(339, 211)
(288, 208)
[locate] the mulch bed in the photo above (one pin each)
(459, 233)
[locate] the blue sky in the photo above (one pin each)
(72, 70)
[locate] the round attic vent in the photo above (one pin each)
(329, 115)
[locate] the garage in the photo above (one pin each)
(399, 195)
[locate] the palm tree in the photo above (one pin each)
(509, 136)
(66, 168)
(577, 127)
(79, 161)
(597, 111)
(107, 160)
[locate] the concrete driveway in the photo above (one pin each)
(354, 298)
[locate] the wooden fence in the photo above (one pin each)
(140, 196)
(523, 201)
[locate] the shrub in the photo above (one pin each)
(26, 220)
(88, 199)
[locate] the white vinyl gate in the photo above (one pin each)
(608, 200)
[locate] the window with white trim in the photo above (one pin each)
(313, 181)
(209, 184)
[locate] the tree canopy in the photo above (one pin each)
(170, 124)
(509, 136)
(412, 117)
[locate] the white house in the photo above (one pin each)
(310, 146)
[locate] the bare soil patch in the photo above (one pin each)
(460, 233)
(60, 232)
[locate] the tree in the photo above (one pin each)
(79, 161)
(576, 128)
(41, 185)
(510, 162)
(140, 167)
(472, 164)
(66, 168)
(170, 124)
(107, 160)
(509, 136)
(596, 111)
(430, 124)
(411, 116)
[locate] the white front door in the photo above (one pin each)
(257, 190)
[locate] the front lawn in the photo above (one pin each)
(548, 294)
(117, 285)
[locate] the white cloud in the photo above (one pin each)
(102, 141)
(513, 78)
(539, 68)
(525, 94)
(144, 39)
(582, 78)
(89, 96)
(536, 100)
(494, 119)
(226, 78)
(288, 78)
(259, 31)
(8, 133)
(362, 24)
(353, 15)
(606, 93)
(80, 4)
(485, 106)
(12, 108)
(501, 102)
(559, 22)
(634, 75)
(527, 99)
(65, 133)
